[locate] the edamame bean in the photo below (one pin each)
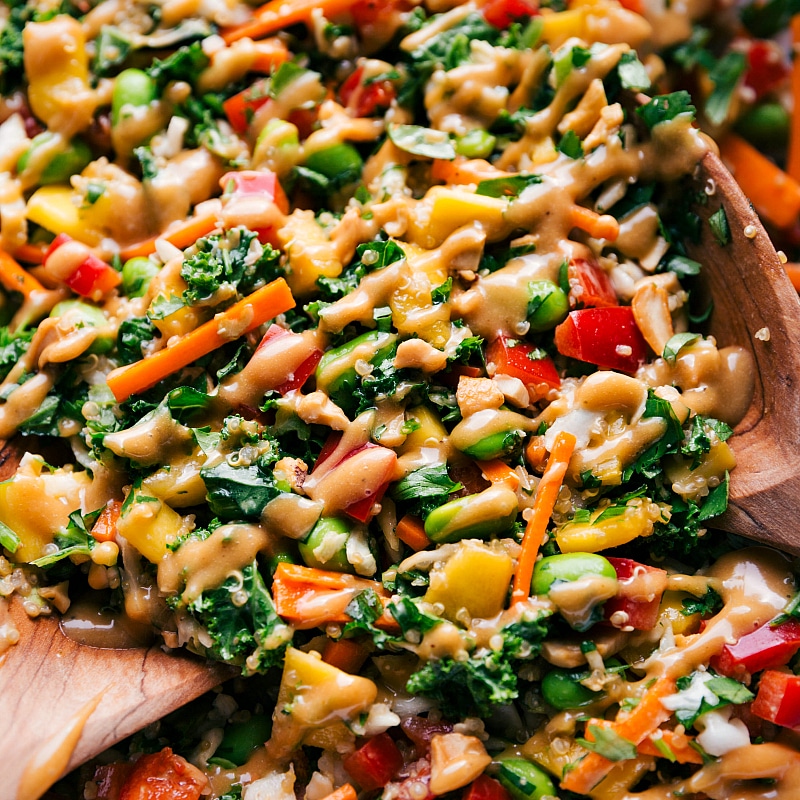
(62, 165)
(562, 690)
(525, 780)
(83, 315)
(132, 87)
(476, 516)
(136, 276)
(569, 567)
(548, 305)
(496, 445)
(340, 164)
(476, 144)
(325, 547)
(241, 738)
(765, 125)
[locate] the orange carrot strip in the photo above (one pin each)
(498, 472)
(183, 235)
(15, 278)
(250, 312)
(279, 14)
(535, 454)
(634, 726)
(411, 531)
(308, 597)
(543, 504)
(105, 527)
(793, 158)
(30, 253)
(774, 194)
(345, 792)
(270, 54)
(598, 226)
(347, 655)
(793, 271)
(678, 743)
(464, 170)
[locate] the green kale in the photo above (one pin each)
(570, 145)
(12, 69)
(370, 257)
(74, 540)
(132, 335)
(112, 48)
(424, 489)
(364, 611)
(12, 347)
(239, 492)
(185, 64)
(699, 438)
(241, 620)
(413, 622)
(707, 605)
(233, 261)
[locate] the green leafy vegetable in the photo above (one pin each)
(420, 141)
(8, 539)
(720, 226)
(725, 75)
(706, 606)
(570, 145)
(666, 107)
(425, 488)
(132, 335)
(512, 186)
(609, 744)
(676, 344)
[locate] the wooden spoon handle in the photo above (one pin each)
(64, 703)
(755, 306)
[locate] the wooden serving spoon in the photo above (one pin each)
(64, 703)
(755, 306)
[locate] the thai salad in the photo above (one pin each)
(359, 345)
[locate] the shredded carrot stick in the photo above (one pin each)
(30, 253)
(308, 597)
(464, 170)
(543, 505)
(250, 312)
(793, 271)
(498, 472)
(347, 655)
(279, 14)
(345, 792)
(15, 278)
(535, 454)
(678, 744)
(774, 194)
(598, 226)
(270, 54)
(635, 726)
(411, 531)
(183, 235)
(105, 527)
(793, 158)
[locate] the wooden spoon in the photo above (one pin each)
(64, 703)
(755, 306)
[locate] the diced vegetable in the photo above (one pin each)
(638, 599)
(767, 647)
(524, 780)
(73, 263)
(589, 285)
(374, 763)
(778, 698)
(522, 360)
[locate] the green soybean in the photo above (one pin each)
(341, 164)
(765, 126)
(134, 88)
(241, 738)
(495, 445)
(476, 516)
(476, 144)
(569, 567)
(86, 316)
(326, 528)
(561, 689)
(525, 780)
(136, 276)
(548, 305)
(63, 164)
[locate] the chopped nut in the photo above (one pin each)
(477, 394)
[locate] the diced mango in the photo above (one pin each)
(36, 505)
(607, 530)
(53, 208)
(693, 484)
(430, 433)
(150, 525)
(180, 322)
(562, 25)
(314, 695)
(179, 485)
(476, 578)
(542, 749)
(311, 254)
(445, 210)
(670, 613)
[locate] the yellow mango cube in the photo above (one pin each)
(150, 525)
(450, 209)
(694, 484)
(476, 578)
(53, 208)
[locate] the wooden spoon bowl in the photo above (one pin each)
(755, 306)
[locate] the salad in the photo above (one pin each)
(354, 344)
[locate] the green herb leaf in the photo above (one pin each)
(725, 76)
(609, 744)
(632, 74)
(9, 539)
(676, 343)
(666, 107)
(512, 186)
(720, 227)
(420, 141)
(425, 488)
(571, 145)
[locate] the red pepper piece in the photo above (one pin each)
(375, 763)
(513, 357)
(778, 698)
(486, 788)
(240, 108)
(589, 285)
(261, 183)
(766, 647)
(92, 277)
(363, 100)
(637, 581)
(607, 337)
(302, 373)
(766, 67)
(501, 13)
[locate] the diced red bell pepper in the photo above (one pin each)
(778, 698)
(607, 337)
(766, 67)
(486, 788)
(92, 277)
(375, 763)
(766, 647)
(589, 285)
(240, 108)
(368, 13)
(637, 582)
(514, 357)
(261, 183)
(363, 100)
(501, 13)
(303, 372)
(162, 775)
(362, 510)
